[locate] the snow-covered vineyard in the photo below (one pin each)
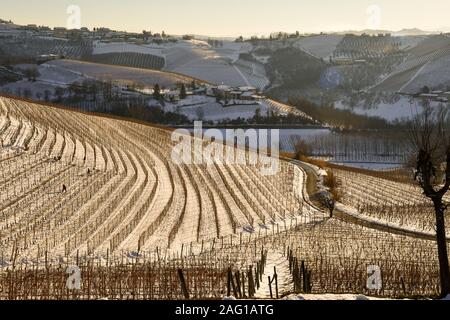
(388, 201)
(76, 183)
(104, 194)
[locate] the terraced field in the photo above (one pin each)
(123, 74)
(401, 204)
(321, 46)
(426, 52)
(129, 59)
(72, 183)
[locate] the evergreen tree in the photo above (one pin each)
(183, 93)
(156, 92)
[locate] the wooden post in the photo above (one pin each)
(233, 285)
(229, 283)
(403, 285)
(270, 288)
(276, 281)
(251, 283)
(243, 285)
(304, 276)
(257, 278)
(183, 284)
(238, 283)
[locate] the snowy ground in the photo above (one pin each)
(213, 111)
(194, 58)
(275, 262)
(433, 75)
(410, 229)
(368, 165)
(409, 42)
(18, 88)
(120, 74)
(214, 65)
(321, 46)
(101, 48)
(420, 55)
(51, 76)
(402, 109)
(52, 73)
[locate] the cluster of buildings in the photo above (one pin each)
(104, 34)
(246, 93)
(222, 92)
(437, 95)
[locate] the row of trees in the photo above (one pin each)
(344, 119)
(273, 36)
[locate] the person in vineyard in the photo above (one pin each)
(430, 135)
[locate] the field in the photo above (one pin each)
(104, 194)
(129, 59)
(321, 46)
(418, 57)
(213, 111)
(214, 65)
(254, 73)
(121, 74)
(133, 198)
(398, 203)
(434, 75)
(102, 48)
(30, 47)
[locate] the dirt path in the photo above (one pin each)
(275, 260)
(359, 219)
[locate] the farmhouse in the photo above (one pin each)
(236, 94)
(247, 88)
(248, 96)
(172, 96)
(222, 89)
(47, 57)
(429, 96)
(60, 32)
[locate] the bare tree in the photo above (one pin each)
(333, 194)
(302, 149)
(431, 140)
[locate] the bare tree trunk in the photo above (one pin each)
(442, 247)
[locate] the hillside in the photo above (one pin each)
(425, 53)
(76, 183)
(321, 46)
(100, 71)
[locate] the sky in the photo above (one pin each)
(234, 17)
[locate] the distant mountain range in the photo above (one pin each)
(400, 33)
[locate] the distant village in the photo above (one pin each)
(100, 34)
(195, 94)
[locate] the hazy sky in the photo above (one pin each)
(235, 17)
